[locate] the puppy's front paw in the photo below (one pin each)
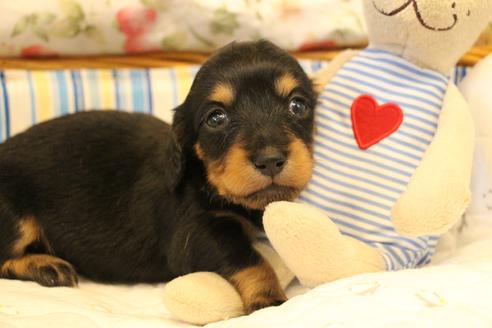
(46, 270)
(258, 287)
(55, 274)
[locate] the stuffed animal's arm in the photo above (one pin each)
(439, 190)
(323, 76)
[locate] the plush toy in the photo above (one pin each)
(393, 153)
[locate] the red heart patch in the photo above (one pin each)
(372, 123)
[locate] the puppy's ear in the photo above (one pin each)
(183, 127)
(178, 121)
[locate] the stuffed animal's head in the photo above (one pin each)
(433, 34)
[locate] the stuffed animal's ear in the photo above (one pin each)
(321, 78)
(317, 83)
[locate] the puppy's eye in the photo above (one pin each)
(217, 118)
(298, 107)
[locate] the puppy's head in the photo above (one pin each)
(249, 119)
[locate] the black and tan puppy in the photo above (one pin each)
(125, 198)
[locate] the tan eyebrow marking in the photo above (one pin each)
(222, 93)
(285, 84)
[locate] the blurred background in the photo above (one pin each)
(32, 28)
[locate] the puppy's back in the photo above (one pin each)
(99, 165)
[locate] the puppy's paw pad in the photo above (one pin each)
(56, 274)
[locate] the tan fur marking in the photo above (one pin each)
(29, 232)
(285, 84)
(27, 268)
(258, 286)
(21, 266)
(199, 152)
(299, 167)
(222, 93)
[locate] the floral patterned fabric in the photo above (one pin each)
(80, 27)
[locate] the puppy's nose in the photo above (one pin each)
(270, 162)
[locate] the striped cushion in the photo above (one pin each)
(29, 97)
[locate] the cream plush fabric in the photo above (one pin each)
(419, 211)
(433, 45)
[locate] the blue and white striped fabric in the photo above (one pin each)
(357, 188)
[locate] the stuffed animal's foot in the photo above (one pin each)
(312, 246)
(202, 297)
(205, 297)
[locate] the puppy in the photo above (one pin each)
(125, 198)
